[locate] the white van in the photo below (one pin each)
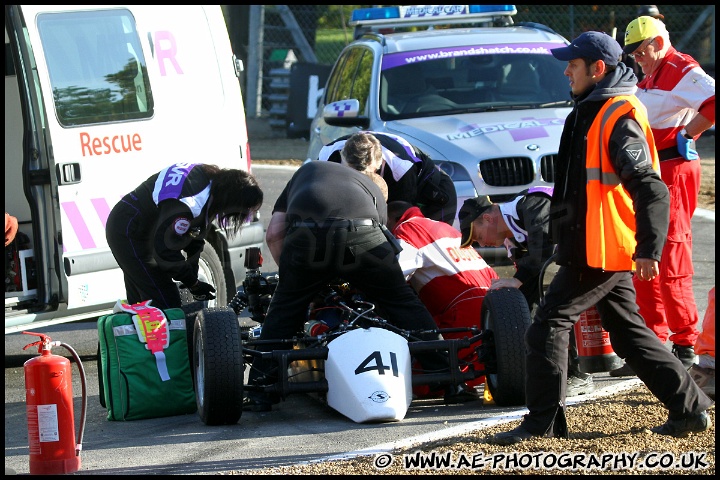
(97, 99)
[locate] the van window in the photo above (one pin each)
(97, 68)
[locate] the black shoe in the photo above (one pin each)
(624, 371)
(460, 394)
(256, 405)
(685, 354)
(579, 386)
(685, 426)
(516, 435)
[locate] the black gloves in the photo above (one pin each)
(201, 291)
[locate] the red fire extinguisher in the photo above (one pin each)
(49, 408)
(595, 353)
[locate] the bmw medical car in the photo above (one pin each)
(484, 97)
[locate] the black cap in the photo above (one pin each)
(649, 11)
(471, 209)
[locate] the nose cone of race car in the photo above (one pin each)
(369, 375)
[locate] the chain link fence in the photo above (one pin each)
(315, 34)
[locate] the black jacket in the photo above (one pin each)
(170, 217)
(411, 176)
(527, 216)
(649, 193)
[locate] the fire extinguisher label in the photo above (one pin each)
(48, 423)
(34, 444)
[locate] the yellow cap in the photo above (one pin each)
(640, 30)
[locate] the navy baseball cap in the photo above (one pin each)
(472, 208)
(592, 45)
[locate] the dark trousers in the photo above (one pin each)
(312, 258)
(572, 291)
(531, 291)
(131, 247)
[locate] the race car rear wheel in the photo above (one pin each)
(218, 366)
(505, 315)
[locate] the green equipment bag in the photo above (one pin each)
(146, 374)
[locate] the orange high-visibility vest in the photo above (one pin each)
(610, 219)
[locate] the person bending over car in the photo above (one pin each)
(410, 173)
(157, 231)
(450, 280)
(326, 224)
(522, 225)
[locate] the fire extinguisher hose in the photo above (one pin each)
(83, 415)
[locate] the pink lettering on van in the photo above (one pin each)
(131, 142)
(166, 49)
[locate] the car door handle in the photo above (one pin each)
(68, 173)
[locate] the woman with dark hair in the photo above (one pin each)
(157, 231)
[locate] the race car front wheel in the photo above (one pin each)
(218, 366)
(506, 316)
(210, 270)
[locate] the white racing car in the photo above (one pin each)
(348, 356)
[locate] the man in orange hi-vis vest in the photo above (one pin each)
(609, 216)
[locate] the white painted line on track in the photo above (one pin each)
(472, 426)
(274, 167)
(702, 213)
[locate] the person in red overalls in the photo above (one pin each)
(450, 280)
(680, 101)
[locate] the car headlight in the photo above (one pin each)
(457, 172)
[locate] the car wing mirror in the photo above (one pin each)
(345, 113)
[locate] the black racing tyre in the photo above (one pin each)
(210, 270)
(506, 316)
(218, 366)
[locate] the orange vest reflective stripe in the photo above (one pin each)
(610, 219)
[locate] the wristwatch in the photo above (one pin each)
(685, 134)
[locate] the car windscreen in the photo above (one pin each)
(470, 79)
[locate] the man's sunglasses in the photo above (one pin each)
(640, 52)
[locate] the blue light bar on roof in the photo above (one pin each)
(493, 9)
(407, 15)
(369, 14)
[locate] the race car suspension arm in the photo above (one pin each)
(282, 358)
(455, 375)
